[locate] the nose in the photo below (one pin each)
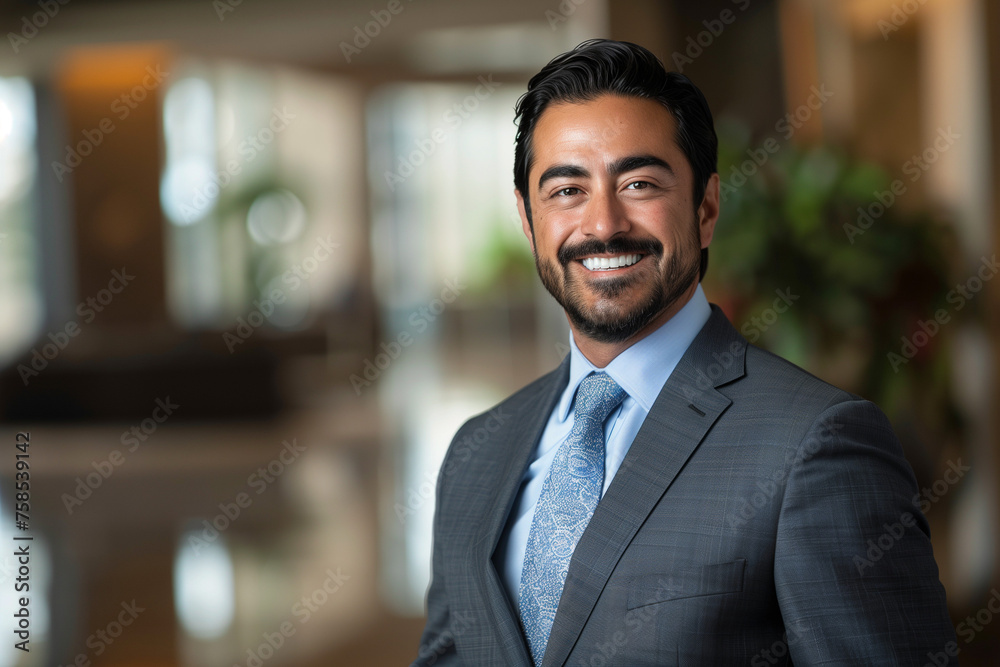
(605, 216)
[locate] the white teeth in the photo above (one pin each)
(605, 263)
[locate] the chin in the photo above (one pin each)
(616, 310)
(614, 325)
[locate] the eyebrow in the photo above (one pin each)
(616, 168)
(627, 164)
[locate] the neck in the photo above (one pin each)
(601, 353)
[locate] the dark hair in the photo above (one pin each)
(603, 66)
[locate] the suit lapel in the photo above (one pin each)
(686, 408)
(511, 458)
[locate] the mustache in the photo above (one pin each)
(616, 246)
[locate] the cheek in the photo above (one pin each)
(551, 232)
(669, 223)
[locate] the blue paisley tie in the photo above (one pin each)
(567, 501)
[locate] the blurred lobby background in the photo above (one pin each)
(259, 261)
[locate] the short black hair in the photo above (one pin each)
(603, 66)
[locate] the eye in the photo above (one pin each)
(640, 185)
(566, 192)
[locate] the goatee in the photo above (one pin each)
(616, 325)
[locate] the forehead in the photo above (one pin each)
(606, 127)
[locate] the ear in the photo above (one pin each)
(525, 226)
(708, 212)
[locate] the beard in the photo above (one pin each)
(616, 317)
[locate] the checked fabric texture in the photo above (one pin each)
(567, 501)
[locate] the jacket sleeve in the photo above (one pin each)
(854, 570)
(437, 644)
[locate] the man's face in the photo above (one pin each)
(609, 187)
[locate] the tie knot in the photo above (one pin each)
(597, 396)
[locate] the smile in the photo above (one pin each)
(609, 263)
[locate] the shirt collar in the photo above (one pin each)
(643, 368)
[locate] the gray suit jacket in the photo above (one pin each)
(760, 517)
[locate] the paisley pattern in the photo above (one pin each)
(567, 501)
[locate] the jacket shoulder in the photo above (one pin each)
(775, 376)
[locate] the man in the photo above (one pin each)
(669, 494)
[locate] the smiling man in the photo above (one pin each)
(619, 239)
(670, 494)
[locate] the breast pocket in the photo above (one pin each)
(691, 582)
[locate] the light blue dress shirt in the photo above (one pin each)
(641, 370)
